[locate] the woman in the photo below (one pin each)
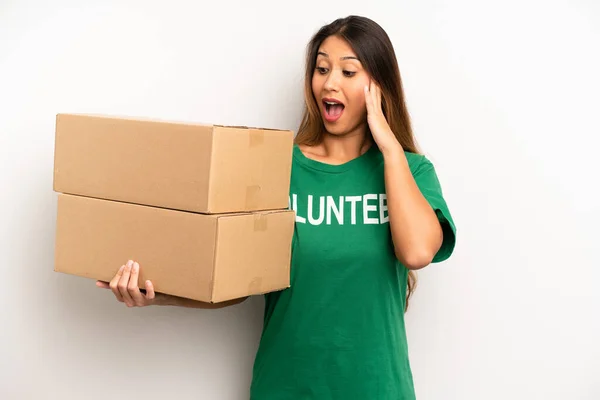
(369, 211)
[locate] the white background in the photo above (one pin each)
(504, 100)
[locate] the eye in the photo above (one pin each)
(322, 70)
(349, 73)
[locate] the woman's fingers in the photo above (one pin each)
(150, 291)
(124, 284)
(368, 100)
(133, 288)
(375, 96)
(114, 284)
(103, 285)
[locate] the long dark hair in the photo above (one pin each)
(376, 53)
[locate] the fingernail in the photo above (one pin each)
(122, 268)
(129, 263)
(136, 267)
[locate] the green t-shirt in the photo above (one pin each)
(338, 332)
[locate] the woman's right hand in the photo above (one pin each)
(124, 285)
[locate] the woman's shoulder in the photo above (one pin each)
(418, 162)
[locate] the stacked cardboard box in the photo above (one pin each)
(202, 208)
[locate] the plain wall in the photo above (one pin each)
(504, 101)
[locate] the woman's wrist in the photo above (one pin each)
(393, 151)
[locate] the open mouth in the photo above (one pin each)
(333, 109)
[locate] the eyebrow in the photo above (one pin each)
(341, 58)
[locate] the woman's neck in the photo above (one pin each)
(345, 148)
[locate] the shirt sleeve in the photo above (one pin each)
(429, 184)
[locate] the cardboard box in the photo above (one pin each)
(210, 258)
(183, 166)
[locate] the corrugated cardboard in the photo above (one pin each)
(210, 258)
(183, 166)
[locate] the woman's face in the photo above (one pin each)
(338, 87)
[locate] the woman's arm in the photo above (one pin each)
(124, 286)
(416, 230)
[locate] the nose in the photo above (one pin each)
(332, 83)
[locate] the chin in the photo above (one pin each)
(335, 129)
(339, 128)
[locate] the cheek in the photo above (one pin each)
(358, 97)
(316, 85)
